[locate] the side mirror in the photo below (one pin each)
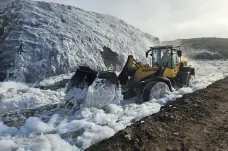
(147, 54)
(179, 53)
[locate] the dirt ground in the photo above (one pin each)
(195, 122)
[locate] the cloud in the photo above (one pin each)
(167, 19)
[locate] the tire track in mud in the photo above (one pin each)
(197, 121)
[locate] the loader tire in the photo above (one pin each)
(146, 96)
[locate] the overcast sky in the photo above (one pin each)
(166, 19)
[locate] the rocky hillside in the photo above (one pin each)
(204, 48)
(58, 38)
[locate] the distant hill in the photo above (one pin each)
(203, 48)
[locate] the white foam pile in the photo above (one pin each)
(17, 96)
(94, 122)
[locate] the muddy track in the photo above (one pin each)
(197, 121)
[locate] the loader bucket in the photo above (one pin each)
(110, 76)
(84, 77)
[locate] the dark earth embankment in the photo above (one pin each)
(197, 121)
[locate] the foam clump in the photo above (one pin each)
(5, 130)
(7, 145)
(35, 125)
(10, 89)
(50, 142)
(103, 91)
(185, 90)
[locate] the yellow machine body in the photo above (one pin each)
(137, 71)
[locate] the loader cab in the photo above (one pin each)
(164, 56)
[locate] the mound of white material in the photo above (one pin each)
(58, 38)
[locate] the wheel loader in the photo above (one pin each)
(167, 68)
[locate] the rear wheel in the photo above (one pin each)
(155, 89)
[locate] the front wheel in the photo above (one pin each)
(155, 90)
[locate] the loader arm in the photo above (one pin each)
(129, 70)
(133, 72)
(140, 75)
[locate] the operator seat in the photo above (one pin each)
(165, 60)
